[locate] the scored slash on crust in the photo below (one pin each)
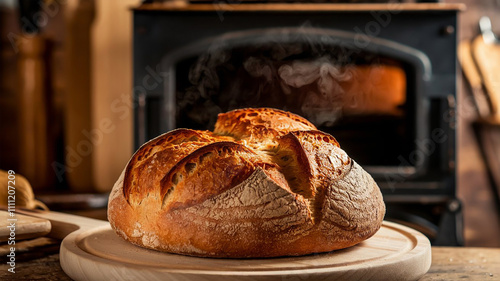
(297, 155)
(174, 144)
(189, 164)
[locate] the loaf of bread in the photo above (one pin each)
(265, 183)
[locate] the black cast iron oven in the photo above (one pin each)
(381, 78)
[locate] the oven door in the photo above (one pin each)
(366, 92)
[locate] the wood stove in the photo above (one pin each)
(381, 78)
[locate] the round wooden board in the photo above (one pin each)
(395, 252)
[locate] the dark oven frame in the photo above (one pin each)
(426, 39)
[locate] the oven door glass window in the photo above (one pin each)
(362, 99)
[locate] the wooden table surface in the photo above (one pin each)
(452, 263)
(448, 263)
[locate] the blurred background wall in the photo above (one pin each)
(111, 91)
(87, 85)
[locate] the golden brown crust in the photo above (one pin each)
(265, 184)
(316, 161)
(258, 126)
(192, 181)
(149, 164)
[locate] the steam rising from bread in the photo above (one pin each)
(320, 82)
